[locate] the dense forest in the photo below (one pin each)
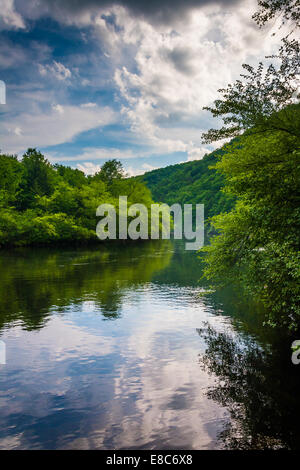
(42, 203)
(194, 182)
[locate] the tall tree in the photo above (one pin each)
(258, 241)
(10, 177)
(38, 178)
(110, 171)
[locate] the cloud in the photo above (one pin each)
(59, 108)
(88, 105)
(154, 11)
(59, 125)
(12, 54)
(94, 153)
(10, 18)
(88, 168)
(18, 131)
(178, 71)
(140, 171)
(197, 153)
(58, 70)
(159, 62)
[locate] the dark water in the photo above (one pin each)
(119, 349)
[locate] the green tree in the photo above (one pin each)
(258, 242)
(72, 176)
(194, 182)
(43, 204)
(110, 171)
(10, 178)
(38, 178)
(288, 10)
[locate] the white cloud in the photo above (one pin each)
(10, 19)
(88, 168)
(18, 131)
(11, 54)
(59, 108)
(57, 126)
(140, 171)
(107, 153)
(197, 153)
(164, 74)
(174, 72)
(94, 153)
(88, 105)
(57, 69)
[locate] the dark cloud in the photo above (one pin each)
(181, 59)
(158, 11)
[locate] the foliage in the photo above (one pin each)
(41, 203)
(258, 241)
(288, 10)
(38, 179)
(110, 171)
(253, 103)
(190, 183)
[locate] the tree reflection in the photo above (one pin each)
(36, 282)
(258, 386)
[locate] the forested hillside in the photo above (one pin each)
(42, 203)
(190, 183)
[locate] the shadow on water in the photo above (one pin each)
(256, 381)
(34, 282)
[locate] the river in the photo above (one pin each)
(124, 348)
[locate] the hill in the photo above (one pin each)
(190, 183)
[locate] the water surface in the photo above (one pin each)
(118, 349)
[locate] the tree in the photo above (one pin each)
(10, 178)
(255, 99)
(72, 176)
(288, 10)
(258, 242)
(38, 178)
(110, 171)
(253, 103)
(42, 204)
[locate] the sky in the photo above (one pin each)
(87, 81)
